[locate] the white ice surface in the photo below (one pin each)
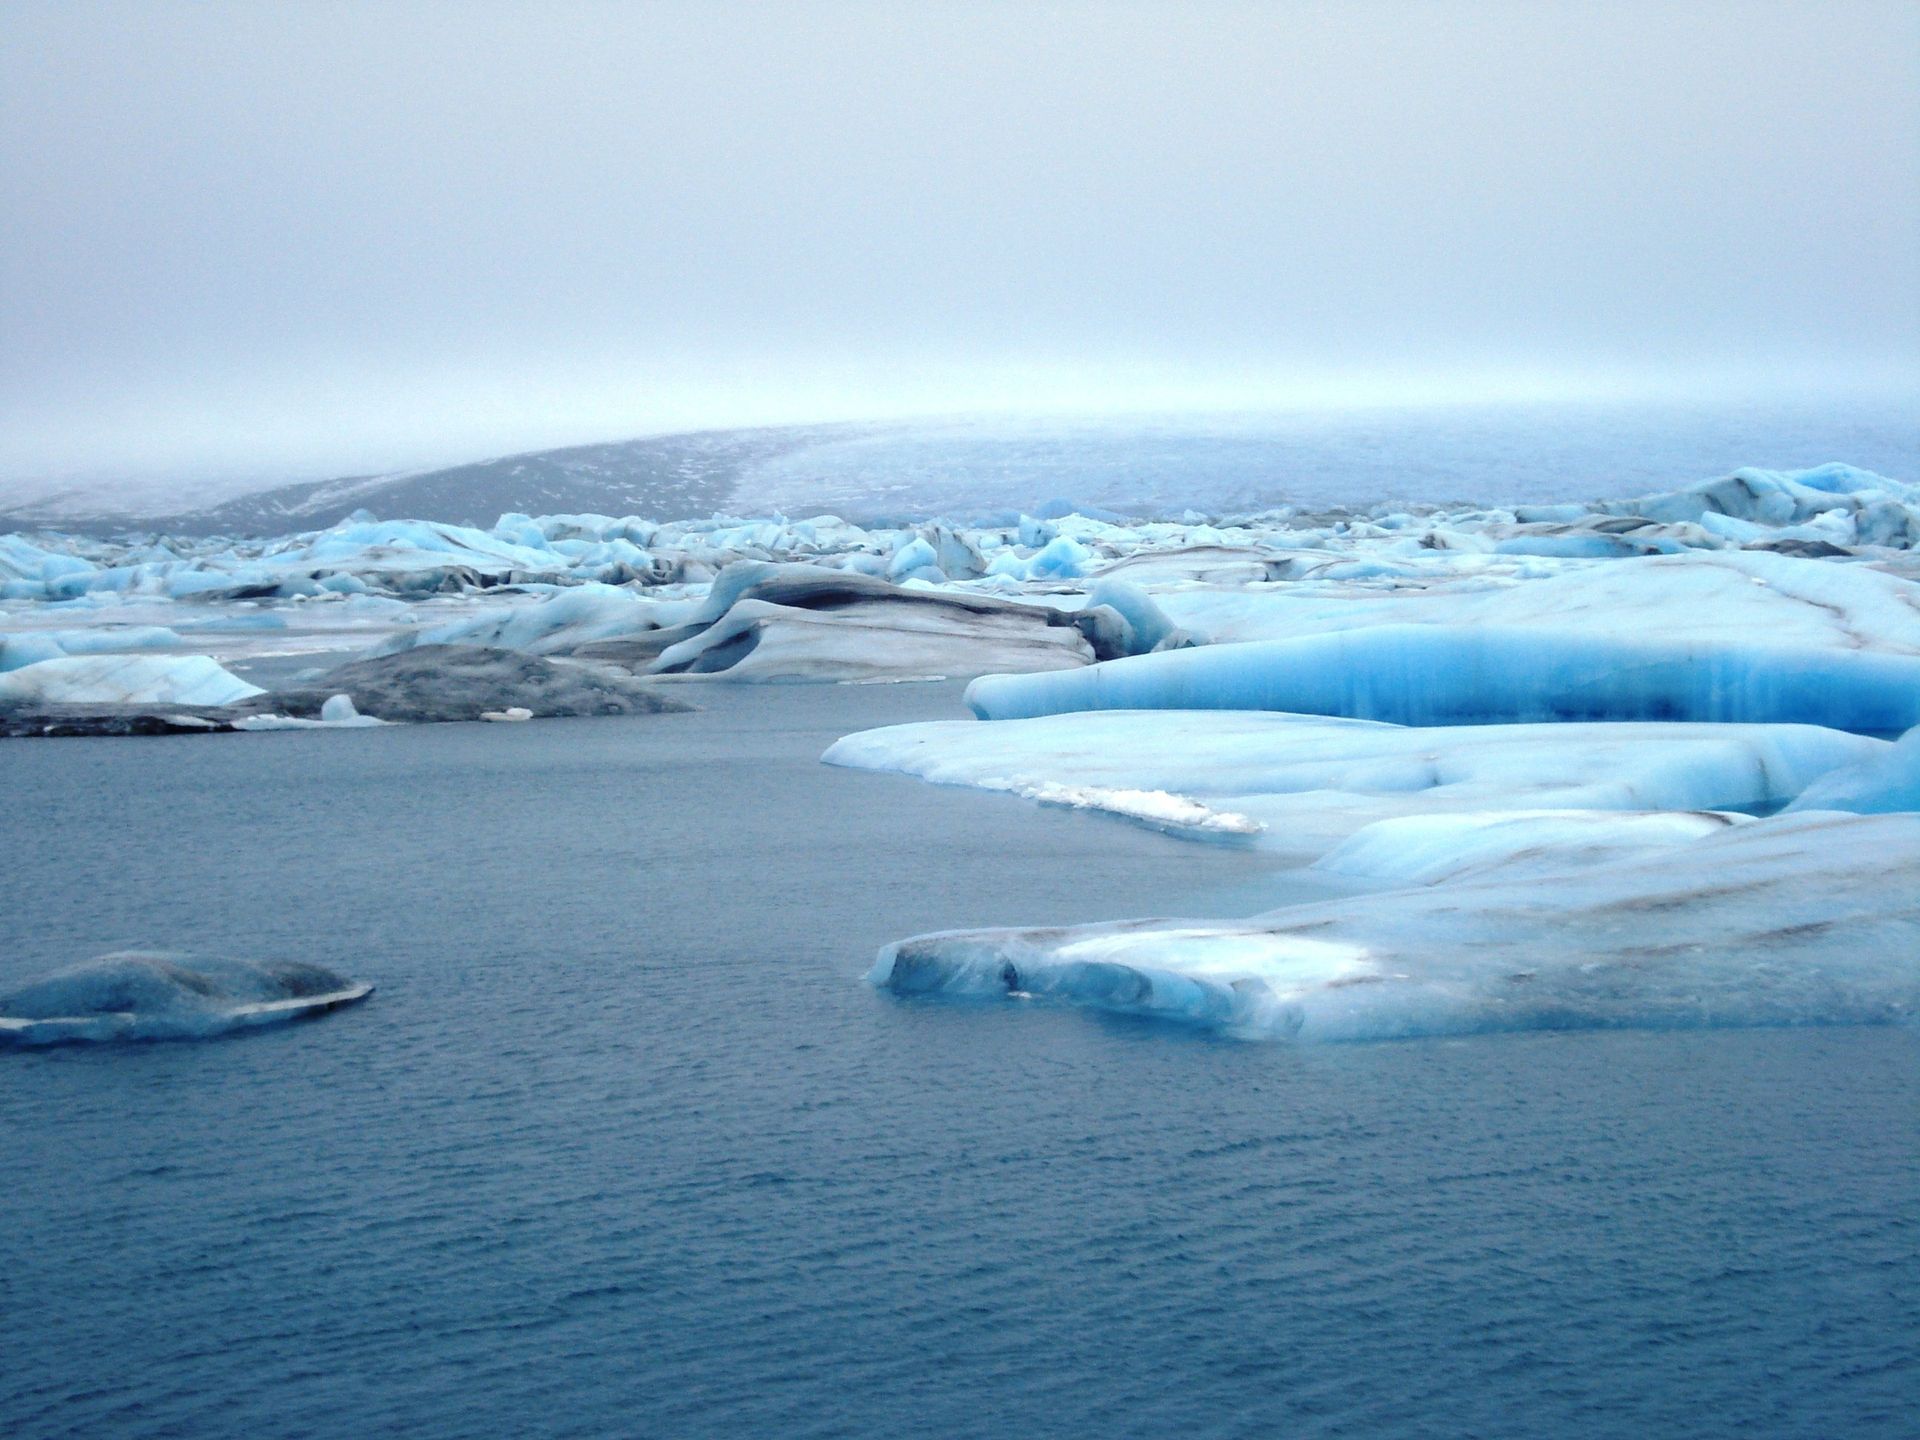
(1722, 598)
(1795, 920)
(1312, 781)
(1428, 849)
(125, 680)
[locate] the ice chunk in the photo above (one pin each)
(32, 646)
(1156, 809)
(463, 682)
(1313, 781)
(1440, 675)
(337, 713)
(562, 621)
(124, 680)
(1886, 512)
(1803, 919)
(1148, 627)
(1874, 786)
(141, 996)
(802, 622)
(892, 638)
(915, 557)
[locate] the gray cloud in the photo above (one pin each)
(325, 237)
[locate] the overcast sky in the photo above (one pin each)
(320, 238)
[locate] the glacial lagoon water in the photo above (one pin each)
(622, 1146)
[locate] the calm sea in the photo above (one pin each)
(622, 1146)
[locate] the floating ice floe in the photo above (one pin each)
(1446, 674)
(336, 713)
(1796, 920)
(124, 680)
(795, 622)
(433, 683)
(556, 623)
(140, 996)
(1306, 783)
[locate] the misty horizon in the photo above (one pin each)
(316, 241)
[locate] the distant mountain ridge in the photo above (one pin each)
(905, 471)
(663, 477)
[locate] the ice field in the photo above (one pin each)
(1463, 703)
(622, 1142)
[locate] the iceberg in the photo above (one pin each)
(554, 624)
(337, 713)
(124, 680)
(803, 622)
(1796, 920)
(135, 995)
(1309, 782)
(28, 648)
(434, 683)
(1446, 675)
(1878, 511)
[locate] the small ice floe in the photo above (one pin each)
(337, 713)
(511, 715)
(135, 995)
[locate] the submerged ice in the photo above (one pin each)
(136, 995)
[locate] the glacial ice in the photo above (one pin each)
(1310, 782)
(1821, 559)
(434, 683)
(560, 621)
(135, 995)
(802, 622)
(1875, 785)
(762, 641)
(1713, 597)
(1795, 920)
(29, 647)
(124, 680)
(1444, 674)
(1428, 849)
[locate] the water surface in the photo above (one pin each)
(622, 1145)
